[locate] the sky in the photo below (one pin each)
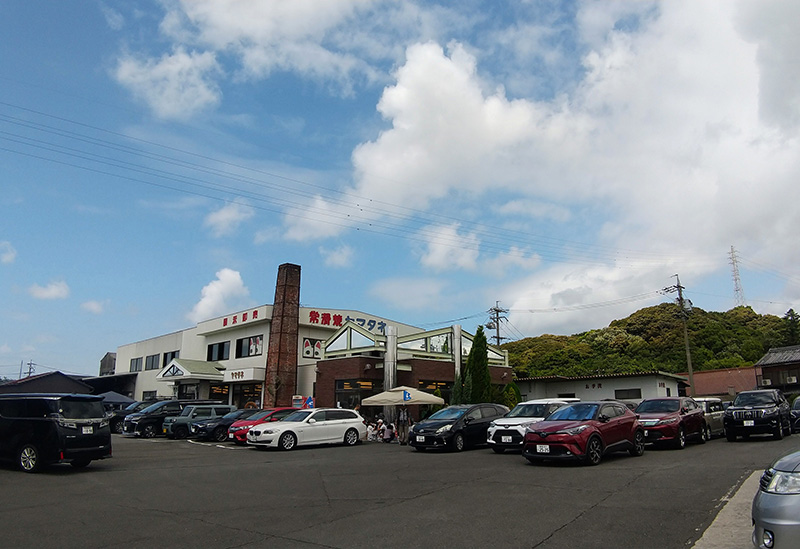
(421, 161)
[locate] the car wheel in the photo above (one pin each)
(594, 451)
(638, 444)
(28, 458)
(287, 441)
(789, 431)
(778, 434)
(730, 436)
(80, 463)
(220, 434)
(704, 434)
(458, 442)
(680, 440)
(180, 432)
(116, 427)
(149, 431)
(498, 450)
(351, 437)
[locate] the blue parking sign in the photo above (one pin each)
(406, 396)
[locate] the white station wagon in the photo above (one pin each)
(313, 426)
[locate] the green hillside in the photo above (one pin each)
(652, 339)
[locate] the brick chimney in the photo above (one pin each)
(281, 379)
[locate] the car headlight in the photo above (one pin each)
(771, 411)
(443, 429)
(784, 483)
(573, 431)
(492, 425)
(667, 421)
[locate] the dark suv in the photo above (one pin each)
(150, 421)
(455, 427)
(38, 429)
(761, 411)
(118, 416)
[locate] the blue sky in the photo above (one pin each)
(421, 161)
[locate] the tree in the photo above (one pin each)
(456, 395)
(791, 322)
(478, 369)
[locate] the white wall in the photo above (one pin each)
(652, 386)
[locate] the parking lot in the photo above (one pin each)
(162, 493)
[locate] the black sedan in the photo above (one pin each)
(455, 427)
(216, 428)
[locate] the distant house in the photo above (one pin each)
(51, 382)
(725, 383)
(780, 368)
(623, 386)
(108, 364)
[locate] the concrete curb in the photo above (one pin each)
(732, 529)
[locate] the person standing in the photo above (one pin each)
(403, 422)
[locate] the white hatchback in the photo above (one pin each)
(508, 432)
(313, 426)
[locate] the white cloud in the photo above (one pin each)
(220, 296)
(409, 294)
(7, 252)
(449, 250)
(94, 307)
(54, 290)
(226, 220)
(337, 258)
(177, 85)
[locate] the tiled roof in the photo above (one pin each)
(603, 376)
(780, 356)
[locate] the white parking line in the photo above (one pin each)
(732, 529)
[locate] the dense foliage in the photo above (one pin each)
(652, 339)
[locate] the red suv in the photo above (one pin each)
(237, 432)
(585, 431)
(672, 420)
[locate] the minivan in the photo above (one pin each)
(40, 429)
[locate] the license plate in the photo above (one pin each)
(165, 430)
(420, 438)
(506, 439)
(647, 433)
(749, 423)
(230, 435)
(87, 430)
(542, 449)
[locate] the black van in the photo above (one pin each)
(38, 429)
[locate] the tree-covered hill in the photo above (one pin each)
(652, 339)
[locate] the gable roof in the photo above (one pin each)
(191, 369)
(779, 356)
(60, 382)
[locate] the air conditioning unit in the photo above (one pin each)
(766, 382)
(791, 379)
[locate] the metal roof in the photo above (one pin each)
(780, 356)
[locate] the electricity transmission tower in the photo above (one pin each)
(496, 313)
(738, 292)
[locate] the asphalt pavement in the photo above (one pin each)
(163, 493)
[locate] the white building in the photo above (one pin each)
(628, 386)
(225, 358)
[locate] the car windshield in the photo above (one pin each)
(796, 405)
(152, 407)
(575, 412)
(657, 406)
(136, 406)
(298, 416)
(529, 410)
(240, 414)
(80, 409)
(449, 413)
(754, 399)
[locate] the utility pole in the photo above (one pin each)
(494, 322)
(685, 306)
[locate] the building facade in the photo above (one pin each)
(629, 386)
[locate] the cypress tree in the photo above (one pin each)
(478, 369)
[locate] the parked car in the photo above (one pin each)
(216, 428)
(714, 412)
(149, 422)
(455, 427)
(672, 420)
(237, 432)
(39, 429)
(584, 431)
(117, 418)
(178, 426)
(776, 506)
(796, 415)
(312, 426)
(758, 411)
(508, 432)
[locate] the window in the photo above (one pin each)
(249, 346)
(136, 364)
(169, 356)
(148, 395)
(628, 393)
(219, 351)
(151, 362)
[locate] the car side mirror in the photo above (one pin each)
(312, 420)
(468, 420)
(684, 410)
(603, 418)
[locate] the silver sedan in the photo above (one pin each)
(776, 507)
